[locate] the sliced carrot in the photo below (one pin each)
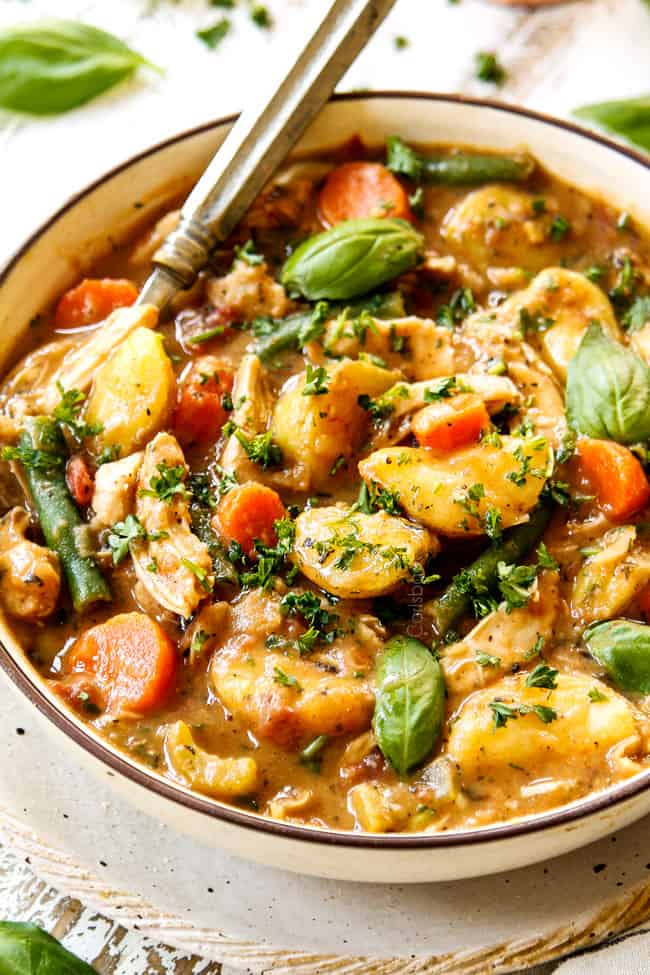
(200, 412)
(614, 475)
(80, 480)
(92, 301)
(362, 189)
(248, 513)
(451, 423)
(130, 661)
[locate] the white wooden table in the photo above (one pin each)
(556, 59)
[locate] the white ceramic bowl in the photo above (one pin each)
(109, 210)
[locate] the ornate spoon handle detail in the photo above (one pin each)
(258, 143)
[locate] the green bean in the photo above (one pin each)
(458, 169)
(288, 334)
(59, 518)
(454, 603)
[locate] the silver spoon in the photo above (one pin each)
(258, 143)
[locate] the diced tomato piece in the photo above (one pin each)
(201, 409)
(80, 479)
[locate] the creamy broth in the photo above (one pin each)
(281, 491)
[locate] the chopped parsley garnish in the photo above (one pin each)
(108, 454)
(442, 389)
(286, 680)
(33, 458)
(260, 15)
(637, 315)
(515, 584)
(196, 570)
(123, 533)
(502, 713)
(487, 660)
(488, 68)
(539, 206)
(316, 381)
(519, 477)
(66, 414)
(270, 559)
(400, 42)
(167, 485)
(213, 35)
(533, 323)
(567, 447)
(460, 305)
(492, 524)
(626, 284)
(378, 409)
(596, 695)
(261, 449)
(559, 228)
(543, 676)
(544, 558)
(373, 497)
(247, 253)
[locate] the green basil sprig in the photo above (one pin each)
(628, 118)
(608, 390)
(27, 950)
(351, 259)
(410, 704)
(51, 66)
(623, 649)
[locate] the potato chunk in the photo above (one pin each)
(561, 304)
(497, 225)
(575, 742)
(355, 555)
(203, 771)
(451, 491)
(281, 695)
(616, 571)
(315, 431)
(133, 393)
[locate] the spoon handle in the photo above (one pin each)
(258, 143)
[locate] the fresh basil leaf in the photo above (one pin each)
(628, 118)
(351, 259)
(410, 704)
(28, 950)
(608, 390)
(623, 649)
(51, 66)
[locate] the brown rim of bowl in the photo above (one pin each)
(139, 775)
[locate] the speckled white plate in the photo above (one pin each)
(85, 841)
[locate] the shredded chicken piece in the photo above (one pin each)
(172, 564)
(114, 494)
(31, 578)
(248, 292)
(79, 366)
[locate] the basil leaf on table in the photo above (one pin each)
(352, 259)
(608, 390)
(51, 66)
(628, 118)
(27, 950)
(410, 704)
(623, 649)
